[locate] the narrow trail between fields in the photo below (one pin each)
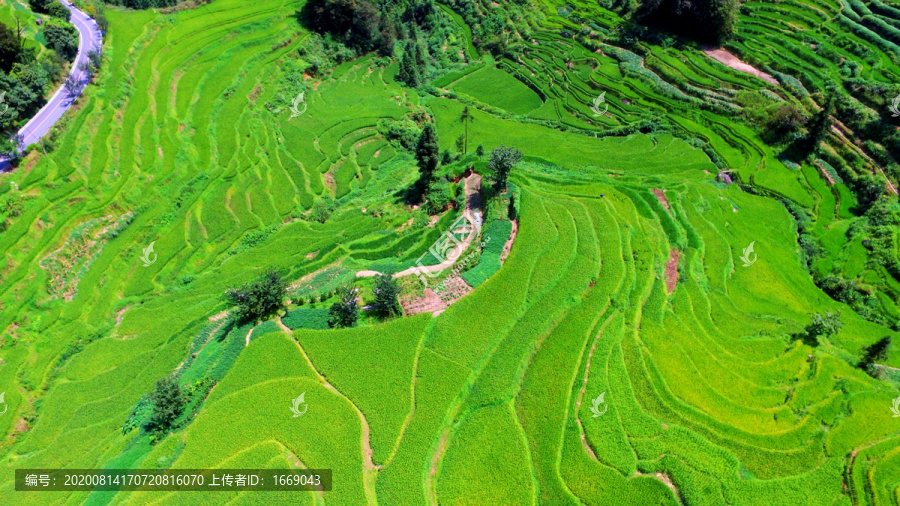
(369, 470)
(472, 213)
(865, 155)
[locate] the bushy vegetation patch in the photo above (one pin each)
(496, 233)
(307, 318)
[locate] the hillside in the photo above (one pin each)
(193, 164)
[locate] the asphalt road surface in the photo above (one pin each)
(89, 38)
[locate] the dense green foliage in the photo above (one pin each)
(307, 318)
(877, 351)
(345, 312)
(168, 403)
(387, 293)
(496, 233)
(260, 298)
(427, 153)
(706, 20)
(501, 163)
(63, 39)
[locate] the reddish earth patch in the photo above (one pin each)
(363, 143)
(724, 57)
(313, 254)
(825, 173)
(121, 314)
(430, 303)
(672, 270)
(661, 197)
(255, 93)
(508, 246)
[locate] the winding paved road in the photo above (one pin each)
(89, 37)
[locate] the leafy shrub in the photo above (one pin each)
(259, 299)
(439, 196)
(345, 312)
(63, 40)
(320, 212)
(168, 403)
(495, 236)
(387, 292)
(873, 352)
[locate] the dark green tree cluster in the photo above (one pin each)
(820, 125)
(710, 21)
(428, 153)
(345, 312)
(168, 404)
(23, 81)
(12, 48)
(63, 39)
(259, 299)
(413, 64)
(364, 25)
(877, 351)
(51, 7)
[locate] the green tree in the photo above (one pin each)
(63, 40)
(465, 119)
(824, 325)
(820, 125)
(877, 351)
(409, 72)
(168, 404)
(387, 293)
(10, 48)
(427, 153)
(260, 298)
(709, 21)
(345, 312)
(501, 163)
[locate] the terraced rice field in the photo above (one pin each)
(188, 143)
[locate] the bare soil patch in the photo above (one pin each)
(724, 57)
(661, 197)
(430, 303)
(508, 246)
(672, 270)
